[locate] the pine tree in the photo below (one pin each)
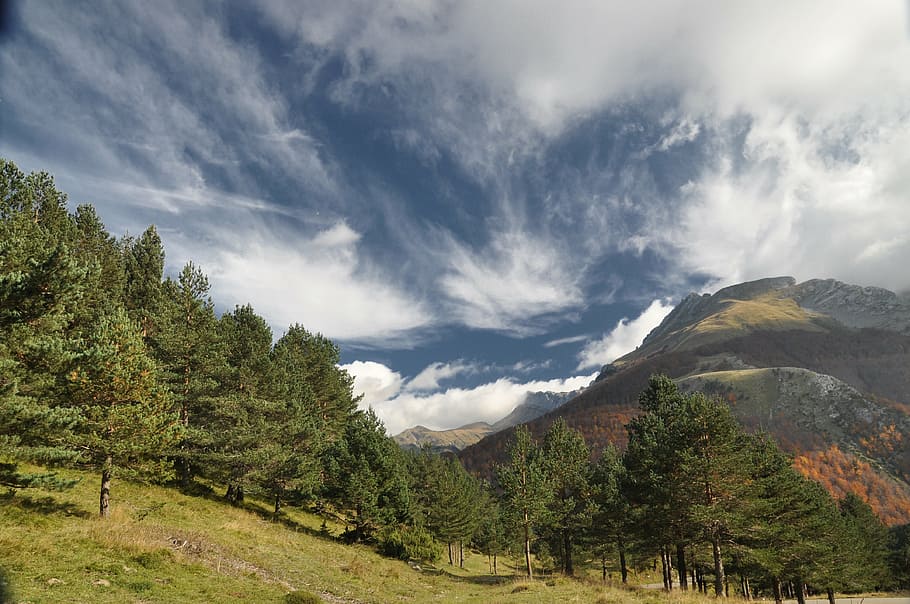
(190, 353)
(126, 421)
(366, 476)
(304, 366)
(527, 492)
(143, 264)
(565, 458)
(41, 290)
(610, 524)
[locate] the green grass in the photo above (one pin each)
(162, 546)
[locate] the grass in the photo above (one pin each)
(163, 546)
(740, 317)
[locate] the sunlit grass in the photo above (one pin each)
(162, 546)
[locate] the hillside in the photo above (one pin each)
(163, 546)
(823, 366)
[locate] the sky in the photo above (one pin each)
(475, 199)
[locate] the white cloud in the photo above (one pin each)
(568, 340)
(833, 79)
(511, 284)
(431, 375)
(323, 283)
(374, 381)
(458, 406)
(400, 408)
(624, 338)
(814, 200)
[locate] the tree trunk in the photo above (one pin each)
(451, 561)
(719, 578)
(461, 554)
(800, 591)
(624, 572)
(104, 503)
(664, 571)
(778, 596)
(495, 571)
(528, 548)
(277, 503)
(681, 566)
(831, 596)
(567, 545)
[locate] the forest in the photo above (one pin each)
(109, 365)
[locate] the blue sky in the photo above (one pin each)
(475, 199)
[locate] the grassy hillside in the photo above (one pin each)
(162, 546)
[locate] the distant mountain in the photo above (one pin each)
(823, 366)
(533, 406)
(443, 440)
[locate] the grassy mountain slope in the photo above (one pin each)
(759, 326)
(161, 546)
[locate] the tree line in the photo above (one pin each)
(108, 364)
(712, 503)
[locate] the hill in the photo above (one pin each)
(822, 365)
(163, 546)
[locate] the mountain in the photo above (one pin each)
(533, 406)
(823, 366)
(443, 440)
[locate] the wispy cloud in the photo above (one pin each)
(511, 285)
(563, 341)
(431, 375)
(623, 338)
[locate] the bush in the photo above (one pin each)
(408, 543)
(302, 597)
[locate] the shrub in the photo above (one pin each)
(408, 543)
(302, 597)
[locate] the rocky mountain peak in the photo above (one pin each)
(854, 305)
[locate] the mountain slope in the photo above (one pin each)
(837, 354)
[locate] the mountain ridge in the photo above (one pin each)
(844, 347)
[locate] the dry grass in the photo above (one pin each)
(162, 546)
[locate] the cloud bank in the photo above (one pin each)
(400, 406)
(624, 338)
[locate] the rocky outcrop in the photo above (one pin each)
(853, 305)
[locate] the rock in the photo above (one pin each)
(55, 581)
(101, 583)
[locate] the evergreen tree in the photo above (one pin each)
(527, 493)
(244, 423)
(899, 554)
(565, 459)
(143, 263)
(611, 512)
(189, 349)
(490, 538)
(366, 477)
(94, 247)
(305, 368)
(688, 459)
(450, 502)
(41, 290)
(125, 419)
